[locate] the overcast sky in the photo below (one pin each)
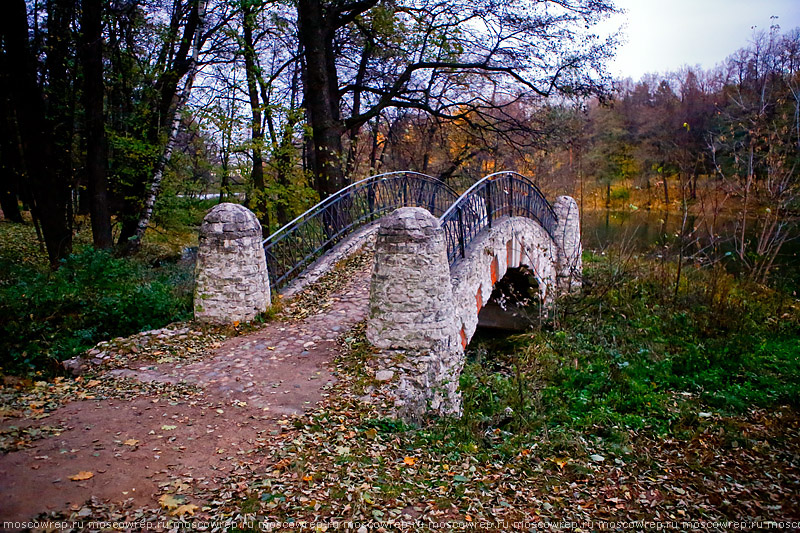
(663, 35)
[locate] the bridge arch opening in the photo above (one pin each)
(515, 303)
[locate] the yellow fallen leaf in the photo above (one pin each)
(410, 461)
(236, 323)
(283, 463)
(307, 477)
(82, 476)
(371, 433)
(188, 508)
(93, 383)
(168, 501)
(131, 442)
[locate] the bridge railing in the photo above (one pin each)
(300, 242)
(496, 195)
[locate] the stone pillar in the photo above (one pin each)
(411, 310)
(231, 282)
(569, 264)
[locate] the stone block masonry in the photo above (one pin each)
(511, 242)
(568, 242)
(411, 310)
(231, 281)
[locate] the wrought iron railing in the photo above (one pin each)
(496, 195)
(300, 242)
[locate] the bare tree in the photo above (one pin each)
(448, 59)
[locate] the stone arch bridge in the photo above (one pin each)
(438, 257)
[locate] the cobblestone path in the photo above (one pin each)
(278, 360)
(248, 385)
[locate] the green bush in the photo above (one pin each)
(173, 212)
(620, 194)
(46, 317)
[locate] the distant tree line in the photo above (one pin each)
(720, 142)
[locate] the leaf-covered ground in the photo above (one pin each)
(351, 462)
(348, 461)
(687, 461)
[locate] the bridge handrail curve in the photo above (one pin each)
(505, 193)
(297, 244)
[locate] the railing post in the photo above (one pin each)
(511, 196)
(371, 200)
(461, 232)
(489, 202)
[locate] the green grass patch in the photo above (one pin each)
(628, 355)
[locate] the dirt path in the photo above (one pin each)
(136, 447)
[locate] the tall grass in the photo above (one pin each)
(628, 354)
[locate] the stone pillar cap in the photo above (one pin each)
(230, 221)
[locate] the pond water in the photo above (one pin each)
(643, 230)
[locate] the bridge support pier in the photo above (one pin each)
(569, 264)
(426, 312)
(231, 274)
(411, 311)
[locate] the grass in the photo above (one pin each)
(634, 405)
(629, 356)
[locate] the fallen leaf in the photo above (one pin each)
(168, 428)
(131, 442)
(410, 461)
(82, 476)
(371, 433)
(188, 508)
(168, 501)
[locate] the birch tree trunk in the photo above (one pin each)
(179, 101)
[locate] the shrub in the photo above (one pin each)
(46, 317)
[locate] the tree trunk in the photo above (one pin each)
(10, 168)
(136, 194)
(283, 157)
(9, 201)
(179, 102)
(373, 154)
(322, 96)
(258, 201)
(96, 149)
(60, 94)
(352, 151)
(50, 189)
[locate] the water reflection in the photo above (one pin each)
(642, 230)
